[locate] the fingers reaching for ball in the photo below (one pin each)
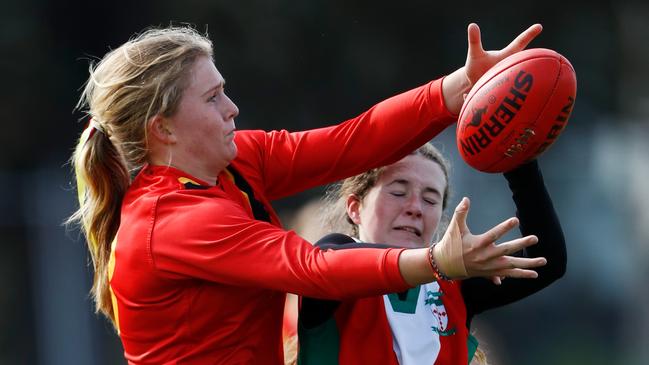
(498, 231)
(461, 254)
(522, 41)
(495, 261)
(478, 60)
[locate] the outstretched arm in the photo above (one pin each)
(537, 217)
(293, 162)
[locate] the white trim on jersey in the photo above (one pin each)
(415, 336)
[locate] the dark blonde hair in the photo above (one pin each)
(335, 214)
(144, 77)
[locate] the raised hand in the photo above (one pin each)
(478, 61)
(462, 254)
(457, 84)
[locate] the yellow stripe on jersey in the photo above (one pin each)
(245, 195)
(184, 180)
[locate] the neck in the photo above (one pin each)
(208, 174)
(362, 236)
(209, 177)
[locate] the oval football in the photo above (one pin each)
(516, 110)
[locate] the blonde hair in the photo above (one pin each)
(144, 77)
(335, 214)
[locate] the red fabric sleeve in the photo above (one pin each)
(217, 241)
(293, 162)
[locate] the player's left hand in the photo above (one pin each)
(478, 61)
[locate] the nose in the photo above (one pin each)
(231, 109)
(413, 207)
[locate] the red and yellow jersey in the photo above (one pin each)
(199, 272)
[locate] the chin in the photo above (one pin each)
(232, 151)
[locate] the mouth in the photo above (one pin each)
(409, 229)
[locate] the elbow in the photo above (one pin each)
(561, 268)
(559, 272)
(562, 260)
(556, 268)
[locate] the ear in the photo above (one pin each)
(353, 205)
(160, 129)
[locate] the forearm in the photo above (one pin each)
(537, 216)
(415, 266)
(454, 87)
(314, 312)
(344, 274)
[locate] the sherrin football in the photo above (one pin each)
(516, 110)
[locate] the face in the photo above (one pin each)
(203, 124)
(404, 207)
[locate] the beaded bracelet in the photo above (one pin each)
(433, 264)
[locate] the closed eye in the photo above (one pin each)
(431, 201)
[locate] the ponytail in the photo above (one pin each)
(102, 179)
(145, 76)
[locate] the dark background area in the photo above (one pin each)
(305, 64)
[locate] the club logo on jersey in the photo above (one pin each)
(434, 300)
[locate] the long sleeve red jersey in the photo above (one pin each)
(197, 279)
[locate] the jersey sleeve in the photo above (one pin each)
(315, 312)
(216, 241)
(293, 162)
(537, 216)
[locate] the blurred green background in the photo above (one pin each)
(305, 64)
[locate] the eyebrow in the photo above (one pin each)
(428, 189)
(218, 86)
